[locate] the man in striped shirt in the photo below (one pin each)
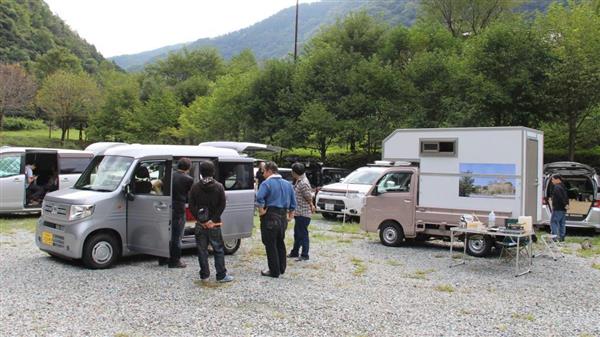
(304, 210)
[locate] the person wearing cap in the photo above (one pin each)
(560, 203)
(276, 203)
(304, 210)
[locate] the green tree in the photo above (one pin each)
(156, 120)
(507, 63)
(55, 59)
(573, 86)
(462, 17)
(113, 121)
(68, 98)
(318, 127)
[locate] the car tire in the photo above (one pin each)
(100, 251)
(391, 234)
(479, 245)
(231, 246)
(329, 216)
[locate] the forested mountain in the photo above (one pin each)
(274, 36)
(28, 30)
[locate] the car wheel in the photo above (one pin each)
(100, 251)
(231, 246)
(391, 234)
(329, 216)
(479, 245)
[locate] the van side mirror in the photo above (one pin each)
(128, 194)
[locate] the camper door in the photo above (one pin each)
(149, 206)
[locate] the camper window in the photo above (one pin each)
(149, 178)
(73, 165)
(433, 147)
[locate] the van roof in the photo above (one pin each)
(19, 149)
(145, 150)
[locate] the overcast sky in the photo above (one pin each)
(119, 27)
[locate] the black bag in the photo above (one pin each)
(202, 215)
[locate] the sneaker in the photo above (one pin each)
(302, 258)
(227, 278)
(204, 280)
(291, 255)
(267, 273)
(178, 265)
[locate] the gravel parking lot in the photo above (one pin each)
(352, 286)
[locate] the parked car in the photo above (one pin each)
(68, 164)
(346, 197)
(583, 188)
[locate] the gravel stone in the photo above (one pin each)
(351, 286)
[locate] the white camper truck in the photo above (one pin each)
(451, 172)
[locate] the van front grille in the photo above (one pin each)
(55, 209)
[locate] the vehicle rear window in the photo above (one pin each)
(236, 176)
(73, 165)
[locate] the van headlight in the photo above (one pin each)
(80, 211)
(355, 195)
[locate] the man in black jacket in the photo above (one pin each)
(182, 183)
(560, 201)
(207, 203)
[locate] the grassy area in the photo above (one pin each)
(11, 224)
(359, 266)
(446, 288)
(39, 138)
(587, 246)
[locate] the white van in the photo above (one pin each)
(68, 164)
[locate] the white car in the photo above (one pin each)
(347, 196)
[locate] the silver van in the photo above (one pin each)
(121, 204)
(55, 169)
(583, 188)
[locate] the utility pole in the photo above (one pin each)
(296, 34)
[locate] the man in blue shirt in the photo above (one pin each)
(276, 203)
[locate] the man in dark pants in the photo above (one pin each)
(560, 201)
(207, 203)
(182, 183)
(276, 203)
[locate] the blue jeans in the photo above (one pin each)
(301, 236)
(557, 224)
(177, 225)
(214, 237)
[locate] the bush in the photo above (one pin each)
(21, 123)
(589, 157)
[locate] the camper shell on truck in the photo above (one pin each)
(447, 173)
(54, 169)
(121, 204)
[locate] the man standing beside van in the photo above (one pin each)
(302, 213)
(182, 184)
(560, 201)
(207, 203)
(276, 203)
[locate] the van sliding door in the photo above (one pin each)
(149, 213)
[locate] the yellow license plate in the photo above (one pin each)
(47, 238)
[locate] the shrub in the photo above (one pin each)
(21, 123)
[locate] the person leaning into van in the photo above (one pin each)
(33, 190)
(207, 203)
(276, 203)
(560, 202)
(182, 183)
(302, 213)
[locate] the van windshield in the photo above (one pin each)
(104, 173)
(363, 176)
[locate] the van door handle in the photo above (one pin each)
(17, 179)
(65, 179)
(160, 206)
(407, 201)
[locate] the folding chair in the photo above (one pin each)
(510, 249)
(551, 247)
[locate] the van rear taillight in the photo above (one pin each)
(596, 203)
